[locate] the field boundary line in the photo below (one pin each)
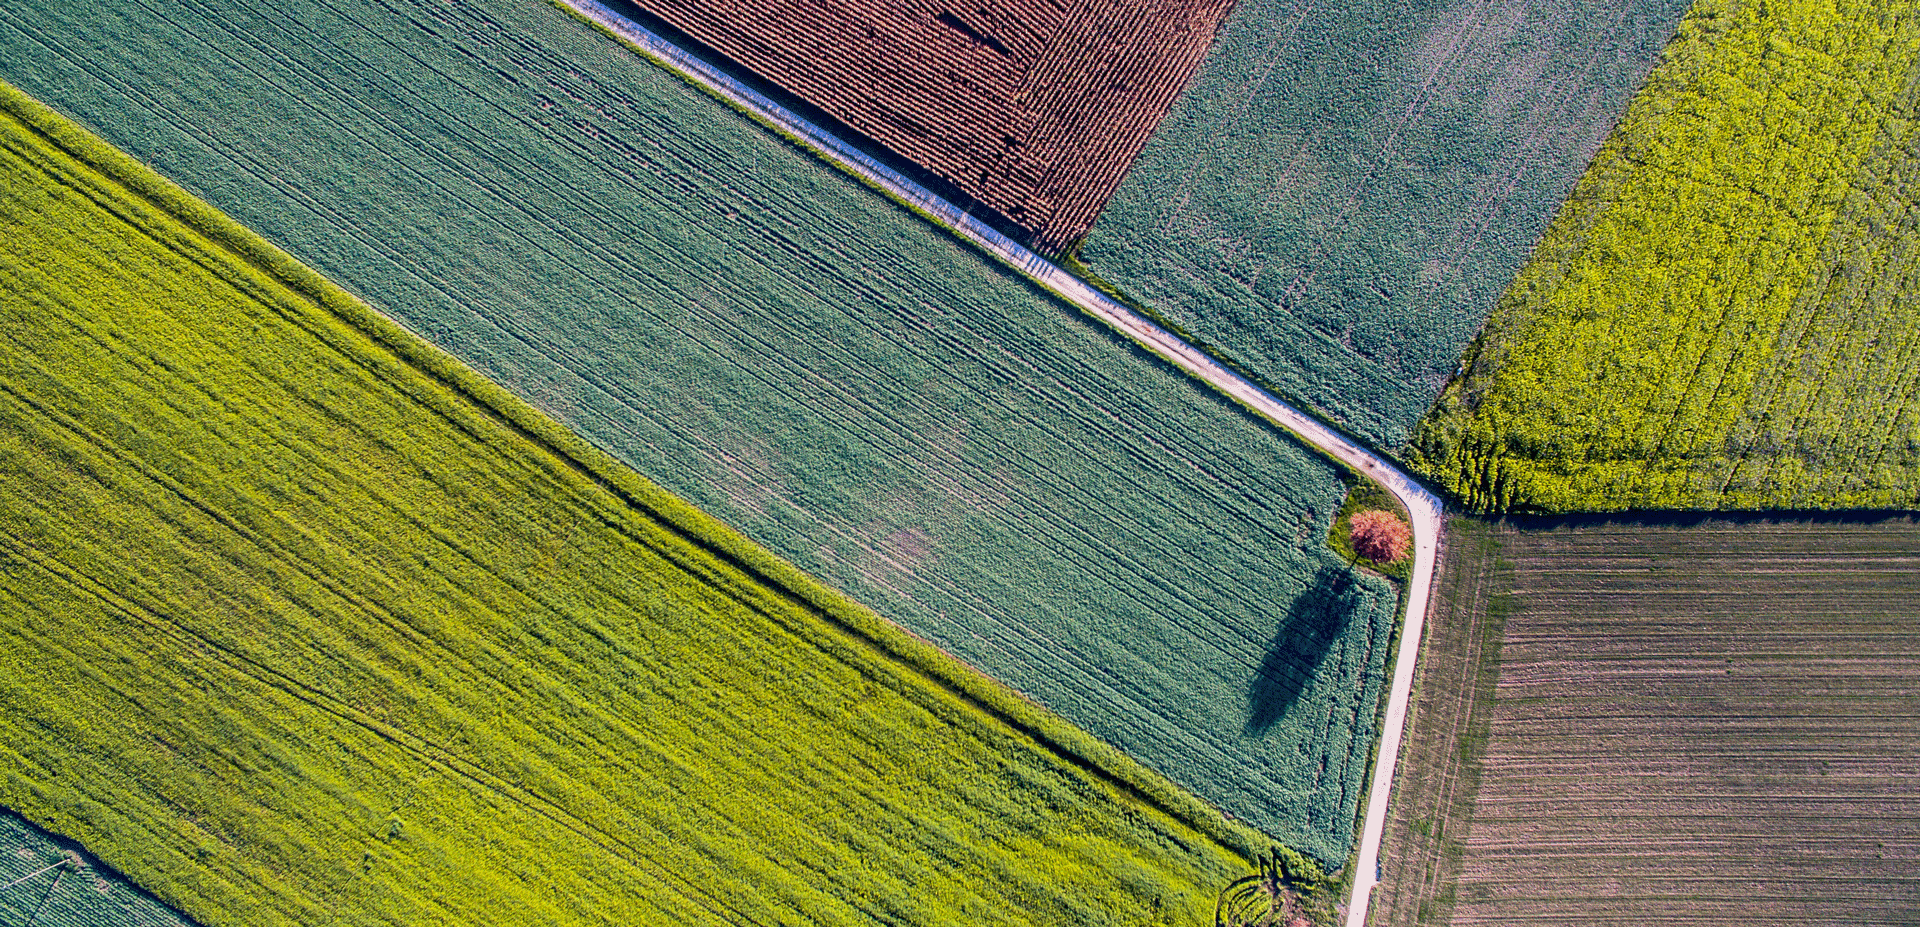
(1422, 505)
(837, 621)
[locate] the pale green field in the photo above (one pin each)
(46, 882)
(1337, 201)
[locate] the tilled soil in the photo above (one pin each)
(1695, 722)
(1033, 109)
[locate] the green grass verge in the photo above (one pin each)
(1724, 314)
(305, 621)
(1447, 724)
(1364, 495)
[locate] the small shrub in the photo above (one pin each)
(1380, 536)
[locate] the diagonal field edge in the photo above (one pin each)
(842, 618)
(1422, 505)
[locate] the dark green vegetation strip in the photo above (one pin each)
(1725, 315)
(48, 882)
(810, 363)
(1338, 199)
(293, 630)
(1695, 720)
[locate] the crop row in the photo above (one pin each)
(46, 882)
(1723, 316)
(784, 349)
(1033, 109)
(293, 630)
(1338, 199)
(1699, 722)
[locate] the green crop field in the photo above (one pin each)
(302, 623)
(772, 341)
(1725, 314)
(1338, 199)
(45, 882)
(1684, 720)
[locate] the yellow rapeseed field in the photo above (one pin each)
(1724, 314)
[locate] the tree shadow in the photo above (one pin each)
(1312, 624)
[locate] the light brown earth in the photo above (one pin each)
(1686, 722)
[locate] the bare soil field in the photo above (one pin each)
(1032, 109)
(1682, 721)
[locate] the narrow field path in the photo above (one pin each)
(1423, 506)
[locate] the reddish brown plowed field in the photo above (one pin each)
(1712, 723)
(1033, 108)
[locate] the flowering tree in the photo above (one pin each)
(1379, 536)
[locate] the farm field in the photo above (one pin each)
(799, 357)
(1724, 316)
(1033, 109)
(48, 883)
(301, 622)
(1446, 734)
(1689, 720)
(1337, 201)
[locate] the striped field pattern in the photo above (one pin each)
(1337, 201)
(1034, 108)
(814, 365)
(46, 882)
(303, 623)
(1688, 721)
